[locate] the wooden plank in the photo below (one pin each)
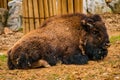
(54, 7)
(0, 4)
(27, 16)
(5, 4)
(64, 6)
(70, 6)
(81, 6)
(46, 10)
(50, 2)
(76, 6)
(59, 7)
(31, 17)
(41, 11)
(23, 19)
(26, 25)
(36, 13)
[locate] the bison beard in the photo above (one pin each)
(69, 39)
(95, 53)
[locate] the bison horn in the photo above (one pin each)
(87, 23)
(107, 45)
(90, 25)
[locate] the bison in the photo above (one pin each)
(69, 39)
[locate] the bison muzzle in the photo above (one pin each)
(69, 39)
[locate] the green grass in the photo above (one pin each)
(20, 29)
(3, 58)
(113, 39)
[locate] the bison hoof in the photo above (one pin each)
(41, 63)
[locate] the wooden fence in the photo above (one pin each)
(36, 11)
(4, 3)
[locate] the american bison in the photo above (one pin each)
(69, 39)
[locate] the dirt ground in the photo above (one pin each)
(107, 69)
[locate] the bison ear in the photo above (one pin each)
(96, 17)
(87, 24)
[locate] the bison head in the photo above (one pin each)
(95, 40)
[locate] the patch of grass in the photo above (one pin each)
(3, 58)
(113, 39)
(20, 29)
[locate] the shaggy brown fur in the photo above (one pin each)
(70, 39)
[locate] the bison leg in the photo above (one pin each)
(40, 63)
(76, 59)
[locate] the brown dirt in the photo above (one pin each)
(108, 69)
(7, 40)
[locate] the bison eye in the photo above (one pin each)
(95, 32)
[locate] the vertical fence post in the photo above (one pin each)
(81, 6)
(36, 13)
(5, 4)
(46, 10)
(54, 7)
(78, 5)
(59, 7)
(64, 7)
(70, 6)
(26, 25)
(31, 20)
(41, 11)
(23, 19)
(50, 6)
(0, 4)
